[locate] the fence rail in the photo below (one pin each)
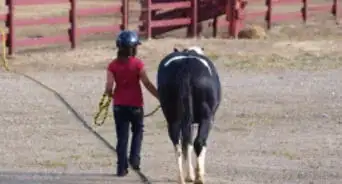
(173, 18)
(36, 2)
(74, 31)
(237, 14)
(158, 16)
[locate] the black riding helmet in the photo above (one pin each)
(127, 39)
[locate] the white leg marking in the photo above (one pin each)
(200, 167)
(189, 168)
(178, 152)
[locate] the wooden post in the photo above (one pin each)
(232, 18)
(194, 17)
(336, 11)
(268, 17)
(215, 25)
(11, 28)
(73, 29)
(124, 11)
(228, 15)
(148, 27)
(305, 11)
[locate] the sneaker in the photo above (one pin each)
(136, 167)
(122, 173)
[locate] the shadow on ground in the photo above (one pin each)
(14, 177)
(40, 177)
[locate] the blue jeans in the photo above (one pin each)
(123, 116)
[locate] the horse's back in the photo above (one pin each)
(180, 72)
(182, 65)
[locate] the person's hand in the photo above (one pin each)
(108, 93)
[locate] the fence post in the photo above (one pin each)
(148, 19)
(215, 25)
(268, 17)
(228, 15)
(10, 25)
(335, 11)
(124, 11)
(304, 10)
(232, 18)
(194, 17)
(73, 30)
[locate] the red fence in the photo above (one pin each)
(181, 13)
(157, 17)
(73, 32)
(175, 19)
(239, 12)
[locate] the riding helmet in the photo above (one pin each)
(127, 39)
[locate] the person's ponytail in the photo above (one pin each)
(126, 52)
(134, 51)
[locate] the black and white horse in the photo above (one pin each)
(190, 93)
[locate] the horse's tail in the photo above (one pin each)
(186, 104)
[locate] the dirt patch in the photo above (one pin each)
(276, 127)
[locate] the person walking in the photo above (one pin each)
(125, 72)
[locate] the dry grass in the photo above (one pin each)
(303, 61)
(252, 32)
(229, 54)
(50, 164)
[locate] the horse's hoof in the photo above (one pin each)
(198, 182)
(181, 181)
(189, 179)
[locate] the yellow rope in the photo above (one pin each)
(152, 112)
(103, 110)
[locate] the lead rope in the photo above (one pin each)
(103, 110)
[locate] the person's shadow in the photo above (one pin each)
(13, 177)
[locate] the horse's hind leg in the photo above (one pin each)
(174, 133)
(200, 148)
(187, 149)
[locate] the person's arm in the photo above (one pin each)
(148, 84)
(109, 83)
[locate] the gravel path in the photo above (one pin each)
(271, 128)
